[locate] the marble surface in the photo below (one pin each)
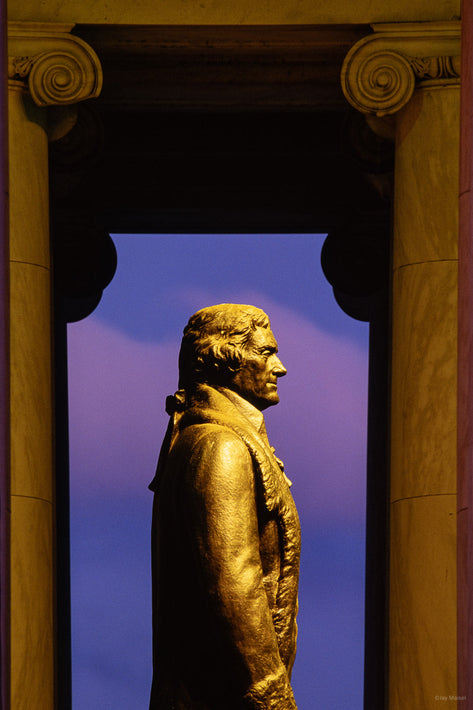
(222, 12)
(423, 652)
(465, 368)
(426, 185)
(423, 602)
(29, 192)
(31, 387)
(32, 538)
(424, 361)
(32, 605)
(464, 631)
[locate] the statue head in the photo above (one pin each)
(231, 345)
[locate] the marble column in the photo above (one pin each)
(465, 370)
(412, 74)
(424, 378)
(47, 67)
(32, 586)
(4, 378)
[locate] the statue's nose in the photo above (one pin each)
(279, 369)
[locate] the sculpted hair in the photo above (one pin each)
(213, 342)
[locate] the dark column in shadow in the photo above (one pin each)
(85, 260)
(377, 509)
(355, 260)
(63, 584)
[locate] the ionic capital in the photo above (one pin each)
(58, 68)
(381, 71)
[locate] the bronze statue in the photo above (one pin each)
(226, 535)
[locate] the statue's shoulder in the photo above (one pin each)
(209, 457)
(215, 435)
(212, 428)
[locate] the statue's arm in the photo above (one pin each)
(221, 504)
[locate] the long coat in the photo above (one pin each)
(225, 556)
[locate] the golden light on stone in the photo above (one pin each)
(412, 73)
(47, 67)
(381, 71)
(386, 83)
(56, 79)
(60, 69)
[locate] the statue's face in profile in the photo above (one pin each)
(257, 378)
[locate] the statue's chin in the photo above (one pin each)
(268, 401)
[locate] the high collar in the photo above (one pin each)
(222, 396)
(206, 403)
(254, 415)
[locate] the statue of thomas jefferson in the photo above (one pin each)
(226, 535)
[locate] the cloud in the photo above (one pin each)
(117, 420)
(116, 404)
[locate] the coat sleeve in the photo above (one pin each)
(221, 507)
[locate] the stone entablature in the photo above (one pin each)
(237, 12)
(381, 71)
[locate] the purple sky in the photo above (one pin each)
(123, 363)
